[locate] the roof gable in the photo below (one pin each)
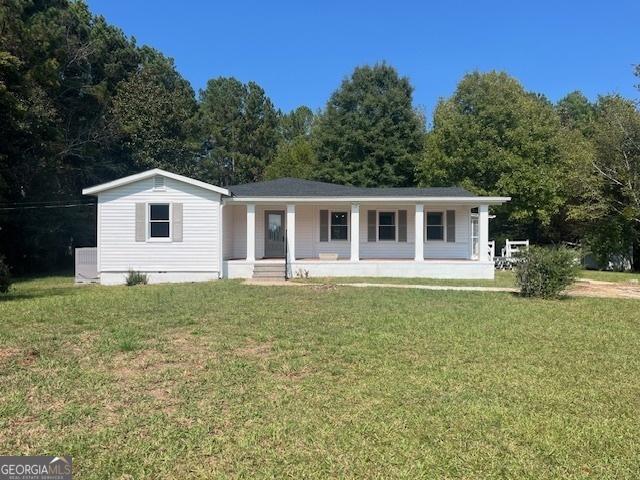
(152, 173)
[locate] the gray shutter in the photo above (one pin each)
(324, 225)
(371, 225)
(451, 226)
(176, 222)
(141, 222)
(402, 225)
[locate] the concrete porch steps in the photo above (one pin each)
(269, 270)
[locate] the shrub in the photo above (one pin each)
(5, 276)
(137, 278)
(545, 272)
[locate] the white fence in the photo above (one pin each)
(492, 250)
(86, 265)
(514, 246)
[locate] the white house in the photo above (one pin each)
(178, 229)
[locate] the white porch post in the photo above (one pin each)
(419, 233)
(291, 233)
(355, 232)
(251, 232)
(483, 237)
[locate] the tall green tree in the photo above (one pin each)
(610, 192)
(577, 112)
(495, 138)
(152, 115)
(240, 127)
(293, 159)
(297, 123)
(369, 133)
(59, 69)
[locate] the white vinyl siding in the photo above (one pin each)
(235, 231)
(197, 252)
(461, 247)
(387, 248)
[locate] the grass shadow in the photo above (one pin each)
(29, 295)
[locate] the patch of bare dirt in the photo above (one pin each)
(165, 397)
(24, 357)
(320, 287)
(22, 433)
(7, 353)
(605, 290)
(254, 350)
(295, 375)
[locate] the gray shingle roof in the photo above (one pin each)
(295, 187)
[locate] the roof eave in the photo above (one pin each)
(399, 199)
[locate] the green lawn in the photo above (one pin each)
(502, 279)
(616, 277)
(225, 380)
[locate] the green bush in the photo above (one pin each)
(137, 278)
(5, 276)
(545, 272)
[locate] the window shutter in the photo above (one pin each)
(371, 225)
(141, 222)
(324, 225)
(176, 222)
(402, 225)
(451, 226)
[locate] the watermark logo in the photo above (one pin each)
(35, 468)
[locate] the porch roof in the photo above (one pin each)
(288, 189)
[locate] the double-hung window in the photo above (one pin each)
(339, 226)
(387, 226)
(159, 223)
(435, 226)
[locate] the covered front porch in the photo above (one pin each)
(435, 240)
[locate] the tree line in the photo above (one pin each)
(81, 103)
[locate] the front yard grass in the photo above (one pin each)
(502, 279)
(222, 380)
(614, 277)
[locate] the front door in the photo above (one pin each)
(274, 234)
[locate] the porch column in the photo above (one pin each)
(483, 234)
(251, 232)
(291, 233)
(355, 232)
(419, 233)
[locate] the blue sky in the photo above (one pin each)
(299, 51)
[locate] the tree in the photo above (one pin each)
(59, 68)
(495, 138)
(369, 133)
(240, 126)
(297, 123)
(577, 112)
(610, 196)
(152, 115)
(294, 159)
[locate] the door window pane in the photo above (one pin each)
(275, 226)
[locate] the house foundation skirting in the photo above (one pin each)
(454, 269)
(119, 278)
